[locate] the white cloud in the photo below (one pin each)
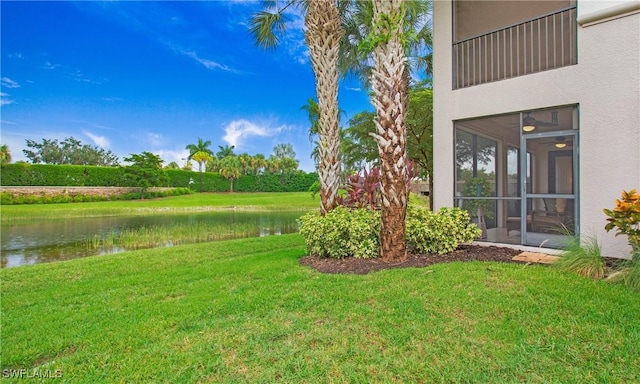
(4, 100)
(209, 64)
(109, 99)
(356, 89)
(50, 66)
(16, 55)
(79, 76)
(238, 131)
(169, 155)
(8, 83)
(100, 141)
(90, 123)
(154, 139)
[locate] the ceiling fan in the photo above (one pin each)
(559, 142)
(530, 123)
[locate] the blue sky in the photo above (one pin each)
(155, 76)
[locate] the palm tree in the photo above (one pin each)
(257, 163)
(273, 165)
(391, 35)
(358, 27)
(201, 157)
(245, 161)
(323, 34)
(5, 154)
(202, 146)
(225, 151)
(390, 85)
(172, 165)
(230, 169)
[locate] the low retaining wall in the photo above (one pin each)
(74, 191)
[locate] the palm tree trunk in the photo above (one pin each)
(324, 31)
(390, 86)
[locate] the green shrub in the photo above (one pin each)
(440, 232)
(341, 233)
(314, 189)
(346, 232)
(6, 198)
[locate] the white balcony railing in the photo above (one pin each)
(536, 45)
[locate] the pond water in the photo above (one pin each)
(55, 240)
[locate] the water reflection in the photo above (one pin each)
(56, 240)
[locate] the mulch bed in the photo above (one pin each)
(364, 266)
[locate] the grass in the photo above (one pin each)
(196, 202)
(585, 258)
(175, 234)
(245, 311)
(628, 273)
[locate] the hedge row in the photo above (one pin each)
(25, 174)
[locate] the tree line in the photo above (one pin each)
(232, 166)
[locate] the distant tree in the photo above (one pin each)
(145, 171)
(283, 159)
(229, 168)
(313, 113)
(257, 163)
(225, 151)
(200, 146)
(5, 154)
(282, 151)
(357, 146)
(202, 158)
(188, 166)
(273, 165)
(68, 151)
(172, 165)
(420, 133)
(245, 161)
(289, 165)
(212, 165)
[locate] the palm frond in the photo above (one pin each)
(265, 26)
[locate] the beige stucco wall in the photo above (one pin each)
(606, 85)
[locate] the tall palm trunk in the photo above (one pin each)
(390, 87)
(323, 34)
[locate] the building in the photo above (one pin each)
(537, 116)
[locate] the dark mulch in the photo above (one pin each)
(364, 266)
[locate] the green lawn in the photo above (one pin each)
(195, 202)
(245, 311)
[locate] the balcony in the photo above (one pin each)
(535, 45)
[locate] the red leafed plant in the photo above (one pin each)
(363, 188)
